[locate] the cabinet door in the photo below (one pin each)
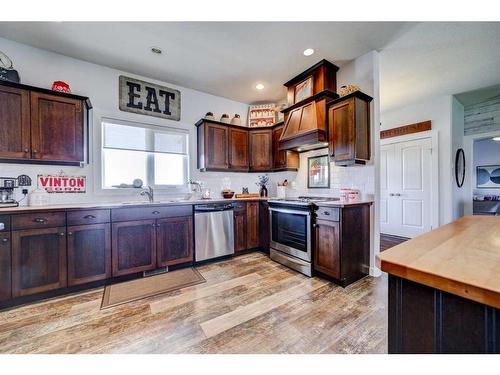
(38, 260)
(240, 230)
(5, 267)
(57, 131)
(89, 253)
(264, 225)
(174, 241)
(279, 157)
(252, 225)
(238, 149)
(14, 123)
(261, 150)
(216, 146)
(342, 130)
(133, 247)
(327, 248)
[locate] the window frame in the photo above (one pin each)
(150, 159)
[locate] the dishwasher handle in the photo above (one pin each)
(213, 207)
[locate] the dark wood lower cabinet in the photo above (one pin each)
(240, 230)
(253, 225)
(327, 248)
(133, 247)
(264, 226)
(427, 320)
(5, 267)
(89, 253)
(174, 241)
(38, 260)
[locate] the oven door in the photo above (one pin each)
(291, 232)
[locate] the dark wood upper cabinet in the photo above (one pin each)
(57, 131)
(252, 225)
(240, 227)
(38, 260)
(42, 126)
(261, 154)
(14, 123)
(283, 160)
(213, 146)
(89, 253)
(349, 129)
(133, 247)
(238, 149)
(174, 241)
(5, 267)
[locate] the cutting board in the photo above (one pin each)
(251, 195)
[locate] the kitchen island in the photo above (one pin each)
(444, 289)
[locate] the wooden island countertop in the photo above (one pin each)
(461, 258)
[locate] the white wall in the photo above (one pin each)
(40, 68)
(457, 141)
(438, 110)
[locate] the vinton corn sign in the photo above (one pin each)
(146, 98)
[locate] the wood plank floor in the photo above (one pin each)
(387, 241)
(249, 304)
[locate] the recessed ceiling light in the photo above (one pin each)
(496, 139)
(259, 86)
(308, 52)
(156, 50)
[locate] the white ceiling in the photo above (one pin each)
(478, 96)
(221, 58)
(417, 60)
(436, 58)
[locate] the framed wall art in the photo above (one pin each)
(303, 89)
(318, 172)
(488, 177)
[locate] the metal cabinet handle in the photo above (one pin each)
(61, 234)
(326, 213)
(315, 225)
(40, 220)
(397, 195)
(5, 240)
(35, 151)
(69, 233)
(89, 217)
(156, 212)
(153, 225)
(26, 150)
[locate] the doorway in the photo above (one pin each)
(406, 187)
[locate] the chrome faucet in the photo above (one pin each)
(149, 193)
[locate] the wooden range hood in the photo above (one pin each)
(306, 120)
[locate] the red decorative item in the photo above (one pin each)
(61, 87)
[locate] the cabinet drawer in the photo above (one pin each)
(328, 213)
(5, 220)
(88, 217)
(38, 220)
(146, 213)
(239, 206)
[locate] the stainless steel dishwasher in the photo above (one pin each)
(214, 230)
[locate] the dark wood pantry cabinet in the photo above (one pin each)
(41, 126)
(240, 226)
(349, 129)
(252, 225)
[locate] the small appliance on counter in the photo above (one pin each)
(39, 197)
(7, 186)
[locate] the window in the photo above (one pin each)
(158, 156)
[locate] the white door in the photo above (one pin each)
(405, 188)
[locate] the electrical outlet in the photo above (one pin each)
(25, 191)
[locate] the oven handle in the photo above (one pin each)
(287, 211)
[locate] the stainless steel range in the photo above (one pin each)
(291, 231)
